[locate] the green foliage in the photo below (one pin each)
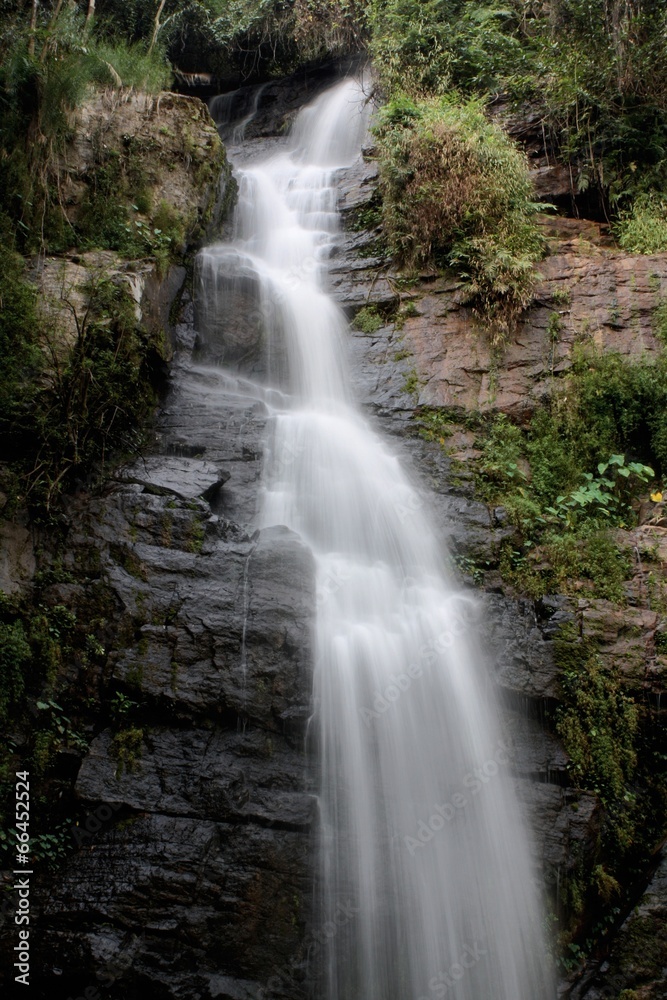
(660, 322)
(644, 228)
(21, 360)
(121, 708)
(39, 90)
(608, 494)
(54, 846)
(594, 72)
(126, 747)
(130, 63)
(568, 476)
(470, 201)
(598, 721)
(15, 655)
(56, 733)
(90, 402)
(368, 320)
(412, 382)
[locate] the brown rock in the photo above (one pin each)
(605, 298)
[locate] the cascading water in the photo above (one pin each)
(425, 882)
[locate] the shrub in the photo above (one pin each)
(323, 27)
(598, 721)
(644, 229)
(469, 197)
(21, 360)
(368, 320)
(15, 654)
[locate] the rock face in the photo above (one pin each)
(588, 294)
(167, 140)
(637, 966)
(208, 845)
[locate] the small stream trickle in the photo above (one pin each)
(425, 887)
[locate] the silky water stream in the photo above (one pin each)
(425, 882)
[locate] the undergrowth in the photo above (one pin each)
(575, 472)
(470, 202)
(66, 413)
(593, 73)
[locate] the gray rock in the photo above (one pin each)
(187, 478)
(17, 557)
(523, 660)
(241, 777)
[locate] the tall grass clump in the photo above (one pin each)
(456, 192)
(644, 228)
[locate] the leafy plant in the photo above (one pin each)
(368, 320)
(606, 495)
(644, 228)
(15, 655)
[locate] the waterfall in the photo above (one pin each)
(425, 885)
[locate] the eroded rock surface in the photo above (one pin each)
(207, 847)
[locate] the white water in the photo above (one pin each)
(425, 885)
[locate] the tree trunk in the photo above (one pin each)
(156, 25)
(33, 27)
(89, 13)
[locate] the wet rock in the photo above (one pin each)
(537, 753)
(198, 883)
(186, 898)
(187, 478)
(227, 777)
(523, 661)
(564, 822)
(552, 182)
(638, 959)
(625, 638)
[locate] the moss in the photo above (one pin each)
(406, 311)
(15, 655)
(368, 320)
(412, 382)
(93, 407)
(641, 956)
(365, 217)
(129, 560)
(435, 424)
(126, 747)
(196, 535)
(659, 321)
(598, 723)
